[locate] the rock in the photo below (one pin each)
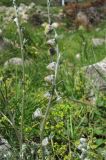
(4, 42)
(13, 61)
(96, 73)
(98, 41)
(23, 11)
(95, 80)
(4, 149)
(93, 15)
(93, 10)
(2, 9)
(97, 29)
(82, 20)
(16, 61)
(22, 7)
(37, 19)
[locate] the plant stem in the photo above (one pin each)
(48, 9)
(43, 123)
(23, 73)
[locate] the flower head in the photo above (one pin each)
(55, 25)
(78, 56)
(49, 78)
(59, 98)
(51, 66)
(48, 28)
(47, 95)
(37, 113)
(52, 51)
(51, 42)
(45, 142)
(82, 140)
(24, 147)
(16, 21)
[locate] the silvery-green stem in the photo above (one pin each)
(43, 123)
(48, 9)
(23, 70)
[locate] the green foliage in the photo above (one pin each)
(75, 115)
(9, 2)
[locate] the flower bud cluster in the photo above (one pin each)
(16, 10)
(51, 37)
(49, 79)
(52, 66)
(83, 147)
(47, 95)
(51, 42)
(45, 142)
(16, 21)
(49, 28)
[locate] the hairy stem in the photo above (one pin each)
(23, 72)
(43, 123)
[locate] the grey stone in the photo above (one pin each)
(5, 152)
(2, 9)
(95, 80)
(13, 61)
(16, 61)
(98, 41)
(96, 73)
(4, 42)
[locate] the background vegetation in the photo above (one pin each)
(72, 118)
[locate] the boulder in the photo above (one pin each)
(4, 42)
(23, 11)
(96, 73)
(5, 152)
(16, 61)
(98, 41)
(13, 61)
(2, 9)
(94, 80)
